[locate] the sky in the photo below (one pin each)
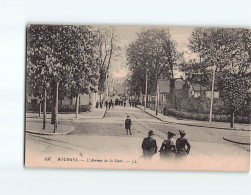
(128, 34)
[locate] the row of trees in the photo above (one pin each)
(66, 61)
(228, 51)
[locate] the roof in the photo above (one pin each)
(164, 86)
(179, 83)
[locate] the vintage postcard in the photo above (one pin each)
(138, 97)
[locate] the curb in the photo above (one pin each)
(192, 125)
(235, 141)
(103, 115)
(40, 133)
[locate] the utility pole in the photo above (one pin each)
(146, 89)
(212, 94)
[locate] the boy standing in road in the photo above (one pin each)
(128, 124)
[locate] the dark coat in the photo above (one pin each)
(128, 123)
(149, 146)
(167, 148)
(182, 146)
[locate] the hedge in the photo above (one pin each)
(205, 117)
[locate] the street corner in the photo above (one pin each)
(242, 140)
(37, 128)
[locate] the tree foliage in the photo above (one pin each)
(154, 53)
(63, 53)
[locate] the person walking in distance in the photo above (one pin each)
(182, 145)
(167, 149)
(149, 146)
(128, 124)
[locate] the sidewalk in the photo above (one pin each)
(35, 127)
(96, 113)
(243, 139)
(215, 125)
(34, 123)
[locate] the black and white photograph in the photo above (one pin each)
(137, 97)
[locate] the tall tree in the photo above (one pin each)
(229, 50)
(153, 53)
(107, 51)
(234, 94)
(63, 57)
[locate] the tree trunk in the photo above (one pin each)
(44, 113)
(77, 105)
(156, 101)
(175, 100)
(232, 120)
(40, 108)
(53, 103)
(56, 109)
(53, 92)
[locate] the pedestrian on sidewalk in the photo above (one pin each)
(124, 103)
(149, 146)
(168, 150)
(182, 146)
(101, 104)
(128, 124)
(106, 104)
(97, 104)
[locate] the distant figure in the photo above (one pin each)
(101, 104)
(121, 103)
(128, 124)
(106, 103)
(149, 146)
(97, 104)
(110, 105)
(182, 145)
(167, 150)
(130, 103)
(124, 104)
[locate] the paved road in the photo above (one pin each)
(103, 137)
